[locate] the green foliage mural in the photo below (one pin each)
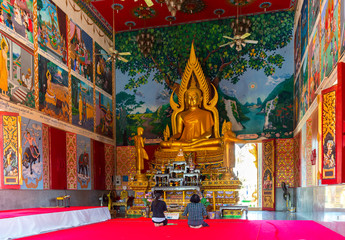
(221, 65)
(172, 47)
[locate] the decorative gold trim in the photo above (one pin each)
(94, 85)
(37, 99)
(20, 151)
(69, 71)
(83, 16)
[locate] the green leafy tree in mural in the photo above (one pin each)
(125, 104)
(171, 50)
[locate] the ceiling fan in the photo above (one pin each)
(239, 40)
(241, 32)
(114, 54)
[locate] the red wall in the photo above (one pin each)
(98, 165)
(58, 175)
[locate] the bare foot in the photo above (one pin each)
(199, 226)
(159, 224)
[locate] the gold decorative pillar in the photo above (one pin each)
(140, 189)
(69, 71)
(268, 193)
(329, 144)
(37, 99)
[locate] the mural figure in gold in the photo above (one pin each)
(140, 153)
(50, 96)
(3, 69)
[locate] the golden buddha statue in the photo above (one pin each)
(229, 139)
(195, 122)
(140, 153)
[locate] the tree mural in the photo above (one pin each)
(170, 53)
(172, 47)
(125, 103)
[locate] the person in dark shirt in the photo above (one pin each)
(158, 207)
(196, 212)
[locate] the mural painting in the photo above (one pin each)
(16, 82)
(268, 183)
(304, 82)
(104, 115)
(254, 84)
(4, 67)
(32, 154)
(53, 89)
(103, 69)
(328, 157)
(304, 27)
(52, 29)
(17, 15)
(82, 104)
(329, 37)
(297, 97)
(313, 12)
(83, 162)
(342, 27)
(297, 49)
(81, 51)
(314, 65)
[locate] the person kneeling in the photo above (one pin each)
(158, 207)
(196, 212)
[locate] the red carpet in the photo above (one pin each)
(143, 229)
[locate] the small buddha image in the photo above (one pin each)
(191, 164)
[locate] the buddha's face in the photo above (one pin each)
(193, 98)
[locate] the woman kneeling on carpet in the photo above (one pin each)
(196, 213)
(158, 207)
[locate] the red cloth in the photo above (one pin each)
(143, 229)
(150, 150)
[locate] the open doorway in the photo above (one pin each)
(248, 164)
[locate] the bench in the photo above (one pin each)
(235, 207)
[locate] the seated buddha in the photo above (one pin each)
(194, 125)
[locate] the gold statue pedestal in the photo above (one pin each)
(141, 177)
(221, 192)
(140, 188)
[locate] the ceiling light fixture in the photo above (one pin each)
(145, 42)
(174, 6)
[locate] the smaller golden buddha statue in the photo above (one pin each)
(229, 139)
(140, 153)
